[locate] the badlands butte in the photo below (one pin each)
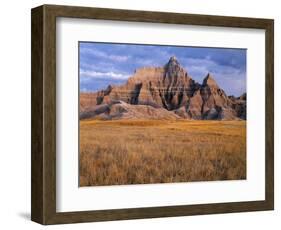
(167, 92)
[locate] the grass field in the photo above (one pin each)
(157, 151)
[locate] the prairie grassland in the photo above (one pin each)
(158, 151)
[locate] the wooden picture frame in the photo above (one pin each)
(43, 189)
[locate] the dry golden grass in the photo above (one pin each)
(156, 151)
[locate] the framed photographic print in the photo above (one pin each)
(141, 114)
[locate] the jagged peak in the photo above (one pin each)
(173, 61)
(210, 81)
(173, 65)
(173, 58)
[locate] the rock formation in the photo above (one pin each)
(166, 92)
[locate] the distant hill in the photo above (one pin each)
(166, 92)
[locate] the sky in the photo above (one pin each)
(102, 64)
